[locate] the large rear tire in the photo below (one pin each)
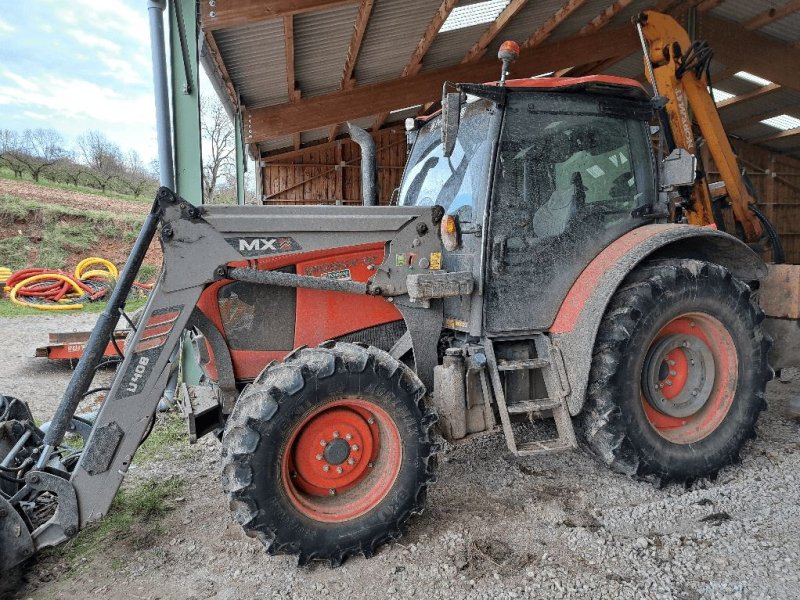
(678, 373)
(328, 454)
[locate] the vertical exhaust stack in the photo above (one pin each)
(369, 187)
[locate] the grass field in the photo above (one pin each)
(147, 197)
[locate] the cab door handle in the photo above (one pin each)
(498, 254)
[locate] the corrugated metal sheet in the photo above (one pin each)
(787, 29)
(313, 135)
(742, 11)
(256, 61)
(321, 40)
(525, 22)
(754, 131)
(393, 33)
(450, 47)
(787, 144)
(275, 144)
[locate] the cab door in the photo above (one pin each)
(568, 176)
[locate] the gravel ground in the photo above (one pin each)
(560, 526)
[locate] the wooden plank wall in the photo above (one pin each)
(330, 173)
(777, 182)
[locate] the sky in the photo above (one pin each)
(79, 65)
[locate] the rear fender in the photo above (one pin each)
(576, 324)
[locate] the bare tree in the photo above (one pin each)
(219, 145)
(135, 175)
(102, 157)
(41, 149)
(10, 150)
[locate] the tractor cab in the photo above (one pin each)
(539, 175)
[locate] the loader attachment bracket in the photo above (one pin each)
(64, 523)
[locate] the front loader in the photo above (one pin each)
(539, 264)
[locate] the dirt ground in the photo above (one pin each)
(559, 526)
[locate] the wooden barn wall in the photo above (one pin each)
(330, 173)
(776, 179)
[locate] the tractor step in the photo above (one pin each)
(557, 391)
(528, 406)
(521, 365)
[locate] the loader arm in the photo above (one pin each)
(680, 76)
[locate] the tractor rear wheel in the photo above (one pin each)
(678, 374)
(328, 454)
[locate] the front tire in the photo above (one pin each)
(678, 373)
(328, 454)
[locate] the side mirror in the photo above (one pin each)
(451, 117)
(678, 169)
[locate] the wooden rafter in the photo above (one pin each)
(291, 84)
(742, 98)
(547, 28)
(223, 14)
(213, 50)
(596, 24)
(779, 135)
(414, 63)
(772, 15)
(478, 49)
(359, 28)
(361, 101)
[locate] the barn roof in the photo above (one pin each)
(299, 68)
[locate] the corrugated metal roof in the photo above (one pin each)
(395, 28)
(256, 61)
(321, 40)
(254, 54)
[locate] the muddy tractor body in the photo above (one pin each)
(530, 270)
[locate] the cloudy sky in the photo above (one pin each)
(78, 65)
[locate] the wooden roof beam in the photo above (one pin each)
(742, 98)
(362, 101)
(356, 40)
(596, 24)
(291, 84)
(224, 14)
(478, 49)
(779, 135)
(414, 64)
(773, 14)
(547, 28)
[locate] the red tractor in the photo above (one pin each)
(543, 261)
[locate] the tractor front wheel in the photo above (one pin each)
(329, 453)
(678, 374)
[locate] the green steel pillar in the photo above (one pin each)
(184, 71)
(185, 80)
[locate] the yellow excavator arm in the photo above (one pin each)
(677, 69)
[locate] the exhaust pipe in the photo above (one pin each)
(369, 188)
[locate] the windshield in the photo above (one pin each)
(455, 182)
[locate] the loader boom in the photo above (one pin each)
(680, 69)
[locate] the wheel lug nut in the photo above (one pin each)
(691, 323)
(348, 436)
(668, 381)
(671, 363)
(354, 447)
(326, 468)
(294, 474)
(339, 469)
(351, 461)
(370, 464)
(332, 492)
(335, 434)
(319, 456)
(323, 443)
(673, 373)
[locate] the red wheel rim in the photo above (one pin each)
(341, 460)
(689, 378)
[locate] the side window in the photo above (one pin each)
(258, 317)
